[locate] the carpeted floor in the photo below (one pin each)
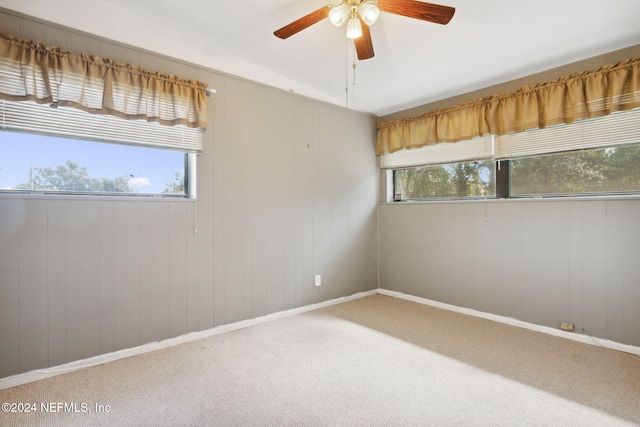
(375, 361)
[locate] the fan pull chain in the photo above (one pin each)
(346, 74)
(354, 75)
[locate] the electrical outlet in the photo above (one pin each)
(567, 326)
(318, 280)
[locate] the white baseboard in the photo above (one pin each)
(39, 374)
(519, 323)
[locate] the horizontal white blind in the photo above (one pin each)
(479, 148)
(68, 121)
(622, 127)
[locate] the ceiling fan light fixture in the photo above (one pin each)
(339, 14)
(369, 12)
(354, 29)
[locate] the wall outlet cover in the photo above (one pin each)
(567, 326)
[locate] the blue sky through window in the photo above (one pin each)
(147, 170)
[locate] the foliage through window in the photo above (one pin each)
(460, 180)
(595, 171)
(610, 170)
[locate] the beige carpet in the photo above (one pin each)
(376, 361)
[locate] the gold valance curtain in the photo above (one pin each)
(49, 75)
(590, 94)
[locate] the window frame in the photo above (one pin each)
(189, 171)
(503, 181)
(421, 199)
(509, 193)
(62, 120)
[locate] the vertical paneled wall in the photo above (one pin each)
(539, 261)
(287, 188)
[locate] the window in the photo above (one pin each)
(596, 171)
(589, 157)
(65, 150)
(82, 124)
(460, 180)
(460, 170)
(46, 164)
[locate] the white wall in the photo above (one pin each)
(287, 188)
(540, 261)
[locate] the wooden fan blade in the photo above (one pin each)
(302, 23)
(364, 45)
(418, 10)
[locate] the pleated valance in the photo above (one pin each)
(49, 75)
(590, 94)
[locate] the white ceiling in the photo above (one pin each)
(487, 42)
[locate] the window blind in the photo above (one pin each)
(28, 116)
(478, 148)
(619, 128)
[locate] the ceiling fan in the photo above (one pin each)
(360, 14)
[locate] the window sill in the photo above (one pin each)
(519, 199)
(95, 197)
